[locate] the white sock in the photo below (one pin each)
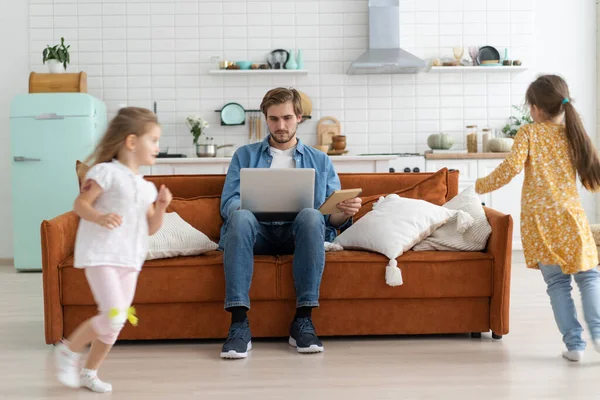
(573, 355)
(90, 380)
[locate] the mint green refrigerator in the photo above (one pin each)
(49, 132)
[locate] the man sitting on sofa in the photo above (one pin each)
(242, 235)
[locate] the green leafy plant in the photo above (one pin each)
(515, 123)
(58, 52)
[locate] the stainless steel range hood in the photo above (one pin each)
(384, 55)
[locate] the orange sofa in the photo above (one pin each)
(182, 298)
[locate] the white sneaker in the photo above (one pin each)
(597, 345)
(573, 355)
(67, 366)
(95, 384)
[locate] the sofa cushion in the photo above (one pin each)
(177, 238)
(394, 226)
(202, 212)
(359, 275)
(447, 238)
(376, 182)
(347, 275)
(433, 189)
(177, 280)
(188, 186)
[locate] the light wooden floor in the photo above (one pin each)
(525, 364)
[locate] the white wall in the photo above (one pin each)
(566, 45)
(14, 72)
(138, 52)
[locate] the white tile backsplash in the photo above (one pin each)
(137, 52)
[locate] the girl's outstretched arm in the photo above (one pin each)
(511, 166)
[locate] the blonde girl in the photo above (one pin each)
(117, 214)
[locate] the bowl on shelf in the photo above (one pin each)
(244, 64)
(338, 142)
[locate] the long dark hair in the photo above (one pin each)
(550, 94)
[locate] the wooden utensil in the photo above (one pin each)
(327, 127)
(250, 126)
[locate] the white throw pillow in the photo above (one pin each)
(178, 238)
(394, 226)
(473, 239)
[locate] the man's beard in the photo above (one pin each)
(283, 140)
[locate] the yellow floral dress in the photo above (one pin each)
(554, 227)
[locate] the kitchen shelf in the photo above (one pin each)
(258, 72)
(479, 68)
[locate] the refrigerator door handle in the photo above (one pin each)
(49, 116)
(25, 159)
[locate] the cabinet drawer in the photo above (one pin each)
(467, 168)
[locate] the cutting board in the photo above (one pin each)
(327, 127)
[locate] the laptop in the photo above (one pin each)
(276, 194)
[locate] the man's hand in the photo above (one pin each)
(348, 208)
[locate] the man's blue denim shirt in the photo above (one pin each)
(258, 155)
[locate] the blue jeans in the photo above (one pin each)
(245, 237)
(559, 290)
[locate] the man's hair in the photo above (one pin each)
(281, 95)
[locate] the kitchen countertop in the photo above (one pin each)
(209, 160)
(464, 156)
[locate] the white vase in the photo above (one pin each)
(55, 67)
(500, 145)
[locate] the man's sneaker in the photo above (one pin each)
(303, 336)
(67, 366)
(239, 341)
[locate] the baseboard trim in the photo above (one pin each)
(7, 261)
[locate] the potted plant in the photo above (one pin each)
(504, 144)
(57, 57)
(515, 123)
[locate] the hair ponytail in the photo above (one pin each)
(583, 152)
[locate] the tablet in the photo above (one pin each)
(330, 205)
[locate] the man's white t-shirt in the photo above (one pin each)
(283, 158)
(128, 195)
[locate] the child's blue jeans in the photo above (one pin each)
(559, 290)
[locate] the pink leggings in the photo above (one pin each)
(113, 288)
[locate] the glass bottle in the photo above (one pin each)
(291, 63)
(485, 138)
(471, 138)
(300, 59)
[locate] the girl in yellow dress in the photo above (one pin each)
(557, 238)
